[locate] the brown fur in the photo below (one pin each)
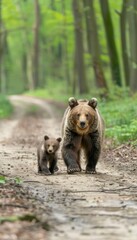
(47, 155)
(82, 127)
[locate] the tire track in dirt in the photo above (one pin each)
(101, 206)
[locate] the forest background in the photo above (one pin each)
(85, 48)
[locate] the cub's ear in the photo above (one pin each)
(46, 137)
(59, 139)
(72, 102)
(93, 102)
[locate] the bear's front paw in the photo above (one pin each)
(73, 168)
(90, 170)
(45, 171)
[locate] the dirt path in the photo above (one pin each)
(78, 206)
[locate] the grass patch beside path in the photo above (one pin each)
(121, 120)
(6, 107)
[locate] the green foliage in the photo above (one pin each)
(25, 217)
(18, 19)
(15, 180)
(120, 118)
(56, 37)
(2, 179)
(6, 108)
(53, 90)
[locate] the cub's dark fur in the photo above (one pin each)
(82, 127)
(47, 155)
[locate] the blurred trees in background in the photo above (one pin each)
(80, 44)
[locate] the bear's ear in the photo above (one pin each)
(46, 137)
(93, 102)
(59, 139)
(72, 102)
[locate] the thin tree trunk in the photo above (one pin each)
(1, 51)
(114, 61)
(67, 74)
(4, 67)
(93, 43)
(124, 47)
(132, 19)
(3, 54)
(74, 74)
(24, 71)
(82, 86)
(89, 33)
(28, 52)
(52, 5)
(35, 59)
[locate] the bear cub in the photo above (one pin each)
(47, 155)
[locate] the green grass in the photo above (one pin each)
(121, 119)
(58, 91)
(6, 108)
(4, 180)
(53, 90)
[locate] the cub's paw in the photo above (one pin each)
(90, 170)
(73, 168)
(56, 169)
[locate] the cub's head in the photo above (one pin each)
(51, 145)
(82, 115)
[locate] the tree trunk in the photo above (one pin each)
(82, 86)
(52, 4)
(27, 64)
(114, 61)
(124, 47)
(3, 55)
(35, 59)
(89, 29)
(65, 47)
(1, 49)
(132, 20)
(93, 43)
(24, 71)
(74, 80)
(4, 65)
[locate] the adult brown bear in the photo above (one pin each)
(82, 127)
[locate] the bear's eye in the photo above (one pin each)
(78, 115)
(87, 115)
(48, 145)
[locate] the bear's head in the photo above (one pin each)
(51, 145)
(82, 115)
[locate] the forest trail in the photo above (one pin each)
(80, 206)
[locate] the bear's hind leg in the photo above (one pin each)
(91, 168)
(92, 153)
(92, 159)
(78, 160)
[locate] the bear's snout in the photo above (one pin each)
(82, 124)
(50, 151)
